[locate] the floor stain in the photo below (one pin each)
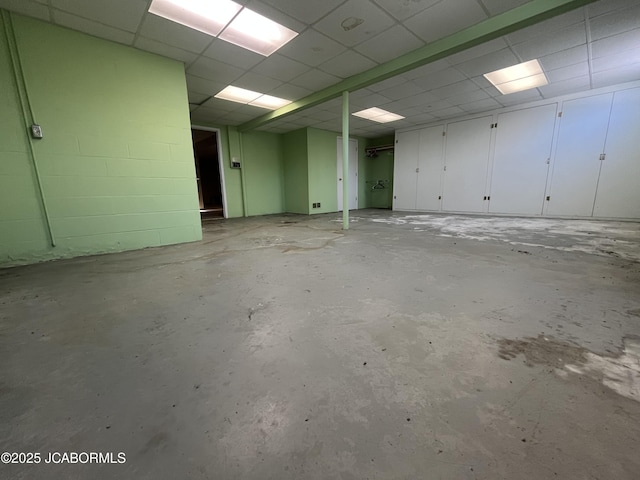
(542, 350)
(620, 372)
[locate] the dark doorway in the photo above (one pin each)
(205, 148)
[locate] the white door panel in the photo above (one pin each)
(521, 160)
(618, 192)
(466, 162)
(405, 166)
(430, 168)
(576, 164)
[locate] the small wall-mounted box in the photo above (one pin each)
(36, 131)
(235, 162)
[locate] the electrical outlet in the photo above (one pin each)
(318, 204)
(315, 205)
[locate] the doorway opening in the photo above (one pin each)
(208, 173)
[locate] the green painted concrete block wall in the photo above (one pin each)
(296, 172)
(263, 166)
(323, 170)
(116, 159)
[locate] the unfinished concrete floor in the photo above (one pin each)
(410, 347)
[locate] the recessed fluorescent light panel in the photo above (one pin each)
(228, 21)
(248, 97)
(518, 77)
(254, 32)
(378, 115)
(206, 16)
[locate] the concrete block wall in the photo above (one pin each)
(116, 161)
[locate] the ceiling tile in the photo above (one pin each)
(280, 67)
(202, 85)
(385, 84)
(454, 89)
(568, 72)
(405, 90)
(519, 97)
(422, 118)
(277, 15)
(165, 50)
(439, 79)
(124, 14)
(257, 83)
(480, 105)
(448, 112)
(616, 43)
(616, 22)
(575, 84)
(599, 8)
(219, 105)
(401, 10)
(620, 60)
(469, 97)
(616, 75)
(419, 99)
(547, 27)
(315, 80)
(563, 58)
(332, 126)
(307, 12)
(500, 6)
(232, 54)
(312, 48)
(25, 7)
(197, 98)
(220, 72)
(427, 69)
(488, 63)
(165, 31)
(325, 115)
(431, 107)
(477, 51)
(390, 44)
(548, 44)
(92, 28)
(445, 18)
(337, 24)
(290, 92)
(346, 64)
(370, 100)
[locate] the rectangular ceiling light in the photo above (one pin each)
(518, 77)
(254, 32)
(227, 20)
(249, 97)
(203, 15)
(378, 115)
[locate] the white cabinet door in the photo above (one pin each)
(521, 160)
(405, 166)
(619, 185)
(353, 174)
(466, 161)
(576, 164)
(430, 168)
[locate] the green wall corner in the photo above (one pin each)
(116, 161)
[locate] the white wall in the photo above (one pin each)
(575, 156)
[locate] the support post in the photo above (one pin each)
(345, 160)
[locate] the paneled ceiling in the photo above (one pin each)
(590, 47)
